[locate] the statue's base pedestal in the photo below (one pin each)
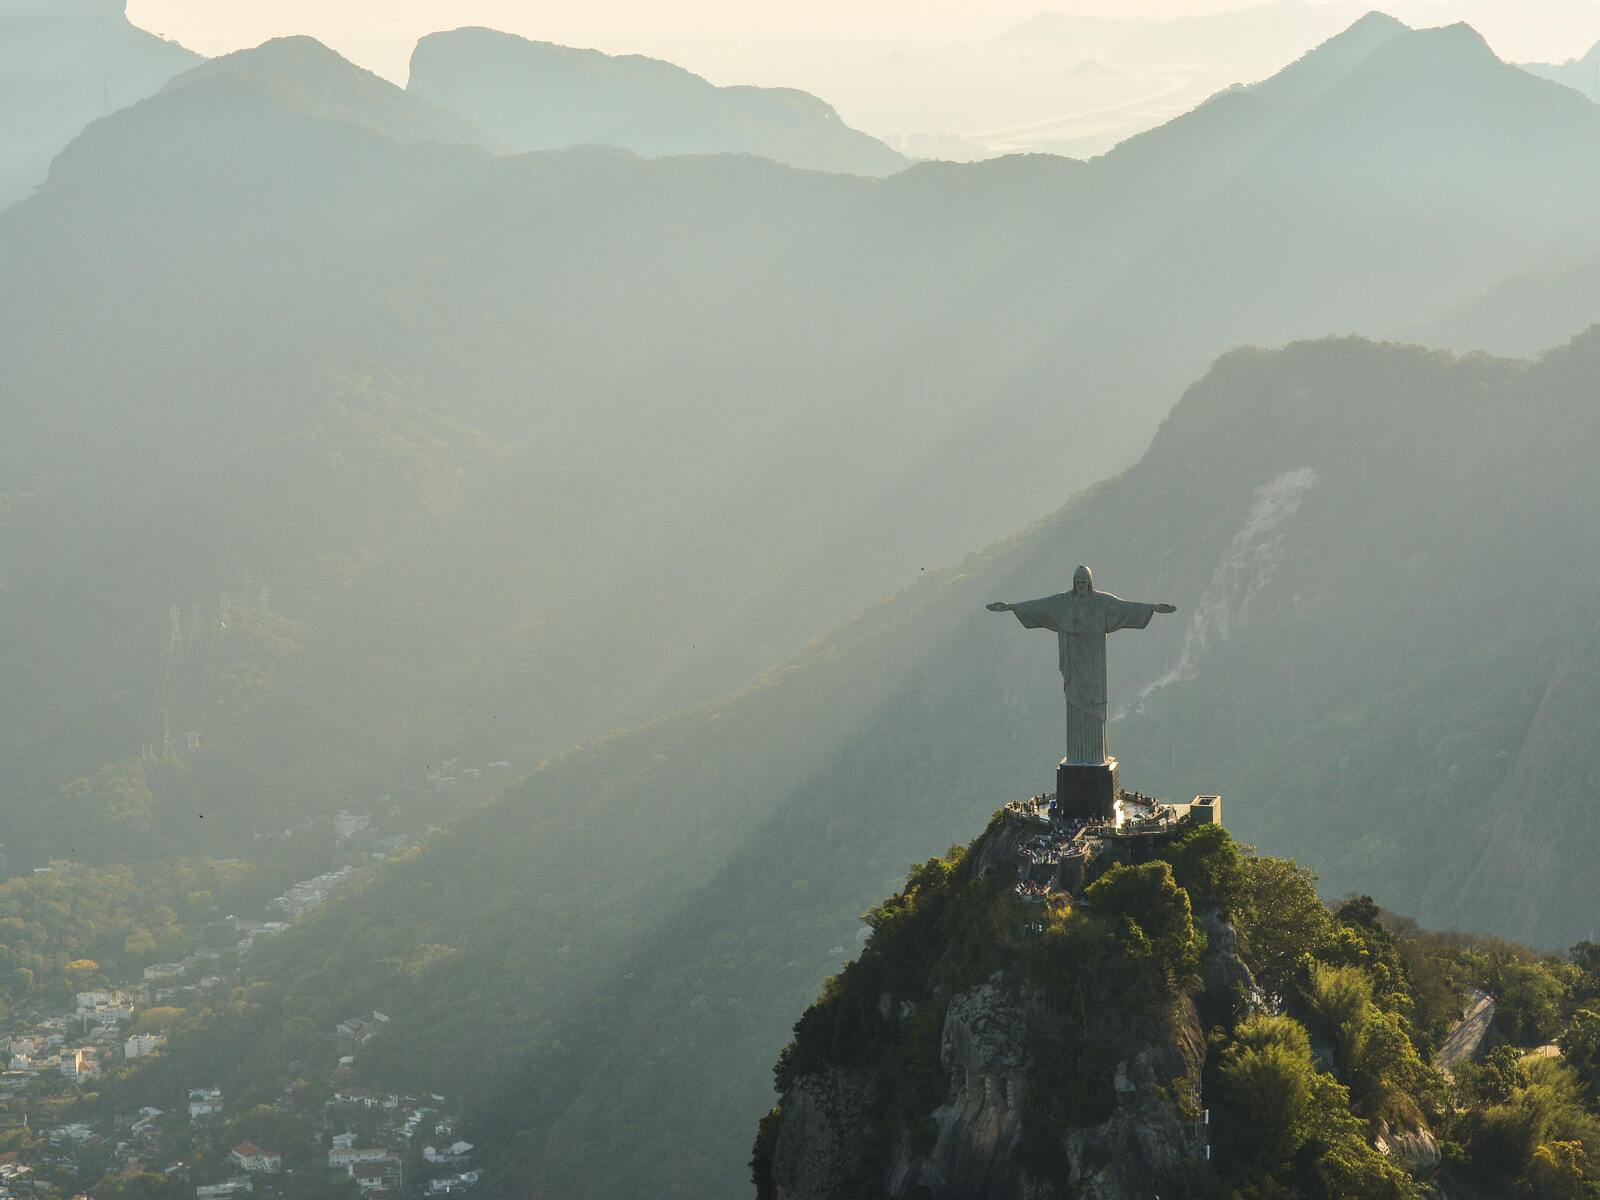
(1088, 791)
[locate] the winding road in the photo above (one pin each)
(1468, 1034)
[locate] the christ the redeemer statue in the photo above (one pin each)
(1081, 619)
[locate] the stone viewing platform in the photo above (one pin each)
(1055, 851)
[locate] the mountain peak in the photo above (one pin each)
(303, 74)
(1458, 37)
(274, 61)
(1360, 39)
(1375, 20)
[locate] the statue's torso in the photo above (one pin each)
(1079, 614)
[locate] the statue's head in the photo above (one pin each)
(1082, 581)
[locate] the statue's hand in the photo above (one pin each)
(998, 606)
(1166, 608)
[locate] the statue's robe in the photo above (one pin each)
(1081, 624)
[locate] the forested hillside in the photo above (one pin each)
(594, 438)
(652, 908)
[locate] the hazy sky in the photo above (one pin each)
(893, 67)
(379, 34)
(715, 34)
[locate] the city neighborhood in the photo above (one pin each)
(63, 1132)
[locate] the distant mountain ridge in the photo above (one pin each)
(540, 96)
(1580, 74)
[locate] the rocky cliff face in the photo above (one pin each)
(819, 1141)
(984, 1050)
(989, 1066)
(979, 1125)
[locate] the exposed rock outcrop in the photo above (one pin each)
(984, 1051)
(818, 1146)
(1153, 1128)
(1227, 977)
(1417, 1150)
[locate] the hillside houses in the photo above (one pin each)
(359, 1030)
(450, 1185)
(374, 1169)
(452, 1155)
(356, 1097)
(103, 1008)
(309, 893)
(80, 1064)
(195, 1140)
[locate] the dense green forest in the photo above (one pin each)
(1328, 1060)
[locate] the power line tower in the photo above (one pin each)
(224, 611)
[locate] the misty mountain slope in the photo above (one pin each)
(540, 96)
(272, 653)
(1428, 114)
(1384, 565)
(728, 402)
(1525, 309)
(63, 64)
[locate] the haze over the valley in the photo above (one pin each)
(498, 504)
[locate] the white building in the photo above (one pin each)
(79, 1064)
(204, 1102)
(451, 1184)
(377, 1174)
(250, 1157)
(141, 1045)
(347, 1157)
(238, 1186)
